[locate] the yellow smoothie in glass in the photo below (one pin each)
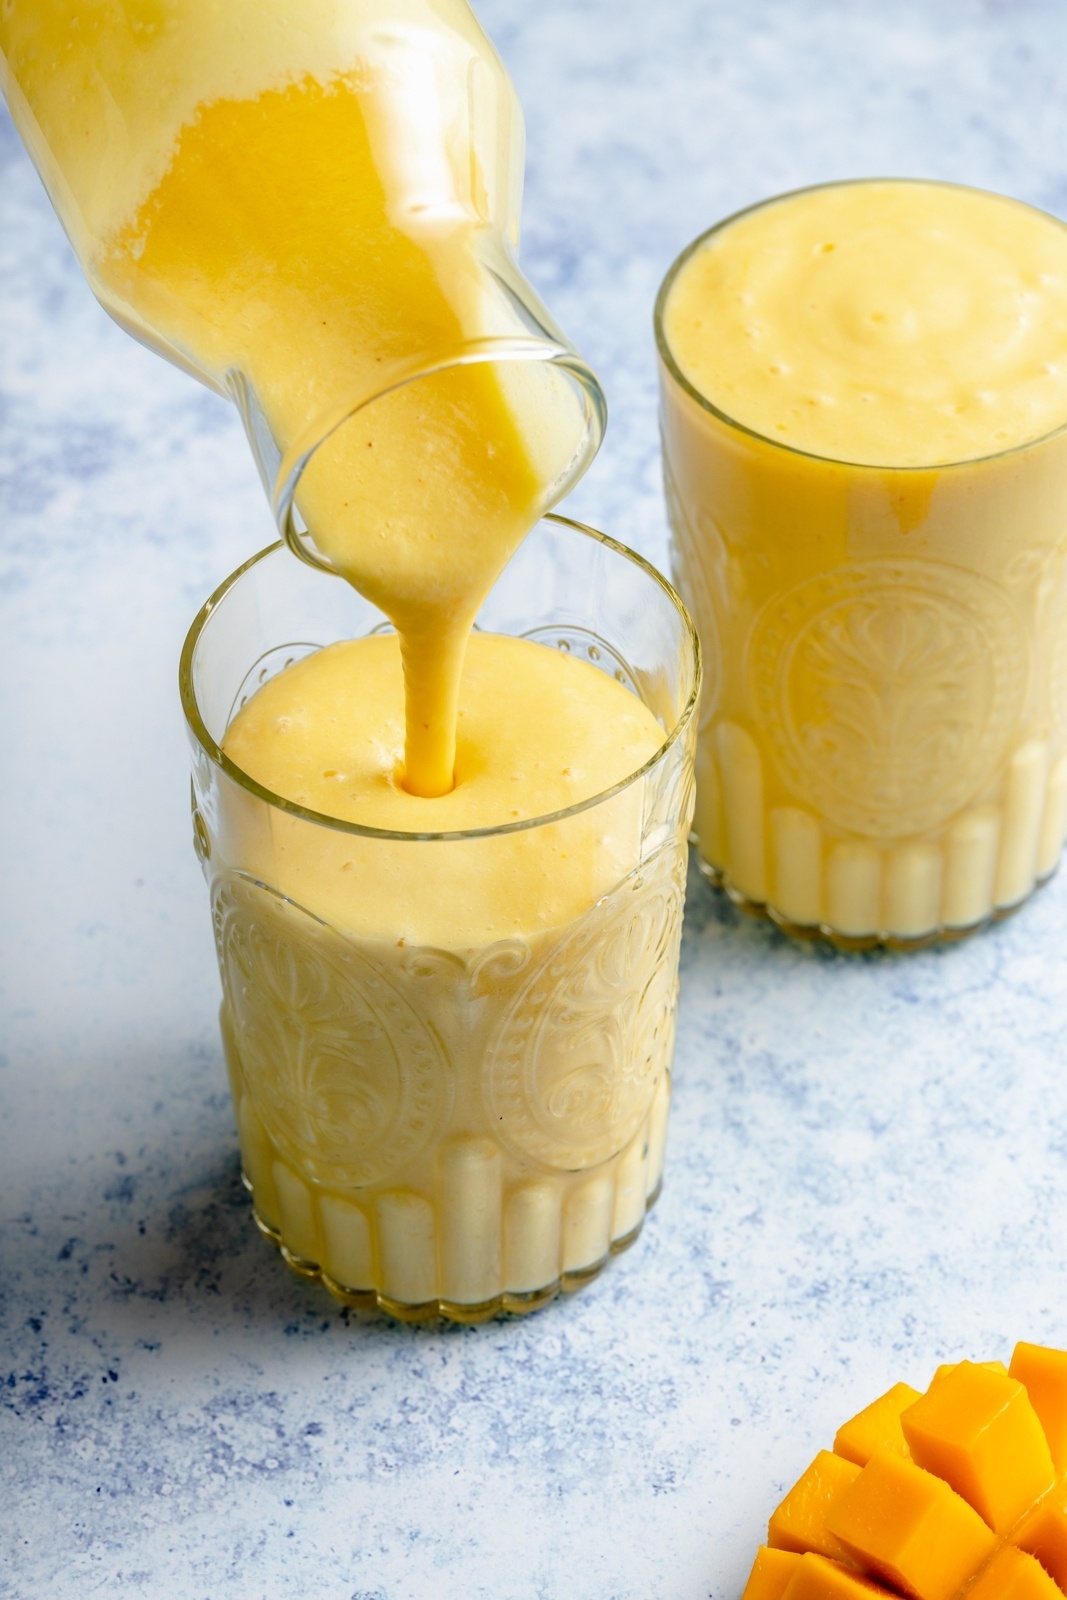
(450, 1062)
(864, 392)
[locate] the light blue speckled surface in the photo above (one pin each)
(867, 1169)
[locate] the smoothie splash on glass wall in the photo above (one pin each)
(446, 869)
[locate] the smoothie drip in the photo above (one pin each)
(539, 731)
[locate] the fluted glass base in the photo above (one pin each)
(806, 932)
(506, 1304)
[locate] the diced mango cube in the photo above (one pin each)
(1011, 1575)
(816, 1578)
(977, 1429)
(957, 1494)
(950, 1366)
(1044, 1535)
(770, 1575)
(800, 1521)
(907, 1527)
(1043, 1372)
(876, 1427)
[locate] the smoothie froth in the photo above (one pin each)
(894, 324)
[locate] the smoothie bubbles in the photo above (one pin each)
(442, 771)
(864, 406)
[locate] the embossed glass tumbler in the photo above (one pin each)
(882, 746)
(433, 1120)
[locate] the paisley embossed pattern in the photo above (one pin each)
(889, 691)
(351, 1061)
(392, 1092)
(458, 1131)
(347, 1079)
(576, 1062)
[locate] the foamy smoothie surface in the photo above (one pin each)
(538, 732)
(887, 323)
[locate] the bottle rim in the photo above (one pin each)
(398, 375)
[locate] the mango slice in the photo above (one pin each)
(1044, 1535)
(1043, 1373)
(950, 1366)
(876, 1427)
(816, 1578)
(771, 1572)
(956, 1494)
(1011, 1575)
(977, 1429)
(907, 1527)
(800, 1521)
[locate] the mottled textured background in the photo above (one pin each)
(867, 1169)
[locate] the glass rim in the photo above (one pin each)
(220, 759)
(670, 363)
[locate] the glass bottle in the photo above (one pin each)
(314, 209)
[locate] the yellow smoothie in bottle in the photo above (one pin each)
(450, 1069)
(864, 393)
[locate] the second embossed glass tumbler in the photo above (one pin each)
(882, 754)
(442, 1123)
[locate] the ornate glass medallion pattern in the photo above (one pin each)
(348, 1080)
(572, 1072)
(889, 691)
